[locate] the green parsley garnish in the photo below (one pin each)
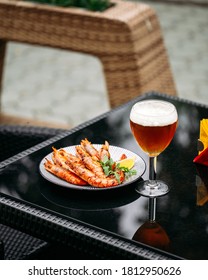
(110, 167)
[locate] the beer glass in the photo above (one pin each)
(153, 124)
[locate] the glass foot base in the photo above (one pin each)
(150, 189)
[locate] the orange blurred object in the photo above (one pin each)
(151, 233)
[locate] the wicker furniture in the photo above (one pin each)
(15, 139)
(18, 245)
(126, 38)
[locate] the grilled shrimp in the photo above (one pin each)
(102, 182)
(90, 149)
(60, 159)
(63, 174)
(85, 167)
(87, 175)
(89, 162)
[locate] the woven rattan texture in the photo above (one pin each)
(15, 139)
(72, 234)
(18, 245)
(126, 38)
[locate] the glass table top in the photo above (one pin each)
(122, 211)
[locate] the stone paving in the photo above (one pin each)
(69, 88)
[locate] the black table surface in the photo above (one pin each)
(121, 211)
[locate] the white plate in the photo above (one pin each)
(115, 152)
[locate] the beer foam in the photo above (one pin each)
(153, 113)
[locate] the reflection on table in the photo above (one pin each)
(151, 233)
(202, 184)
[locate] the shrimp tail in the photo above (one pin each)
(90, 149)
(104, 151)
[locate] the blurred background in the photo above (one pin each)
(48, 84)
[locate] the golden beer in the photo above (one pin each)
(153, 139)
(153, 124)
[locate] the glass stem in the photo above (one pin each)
(152, 178)
(152, 168)
(152, 209)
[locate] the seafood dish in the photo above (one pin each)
(88, 166)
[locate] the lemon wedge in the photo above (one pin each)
(127, 162)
